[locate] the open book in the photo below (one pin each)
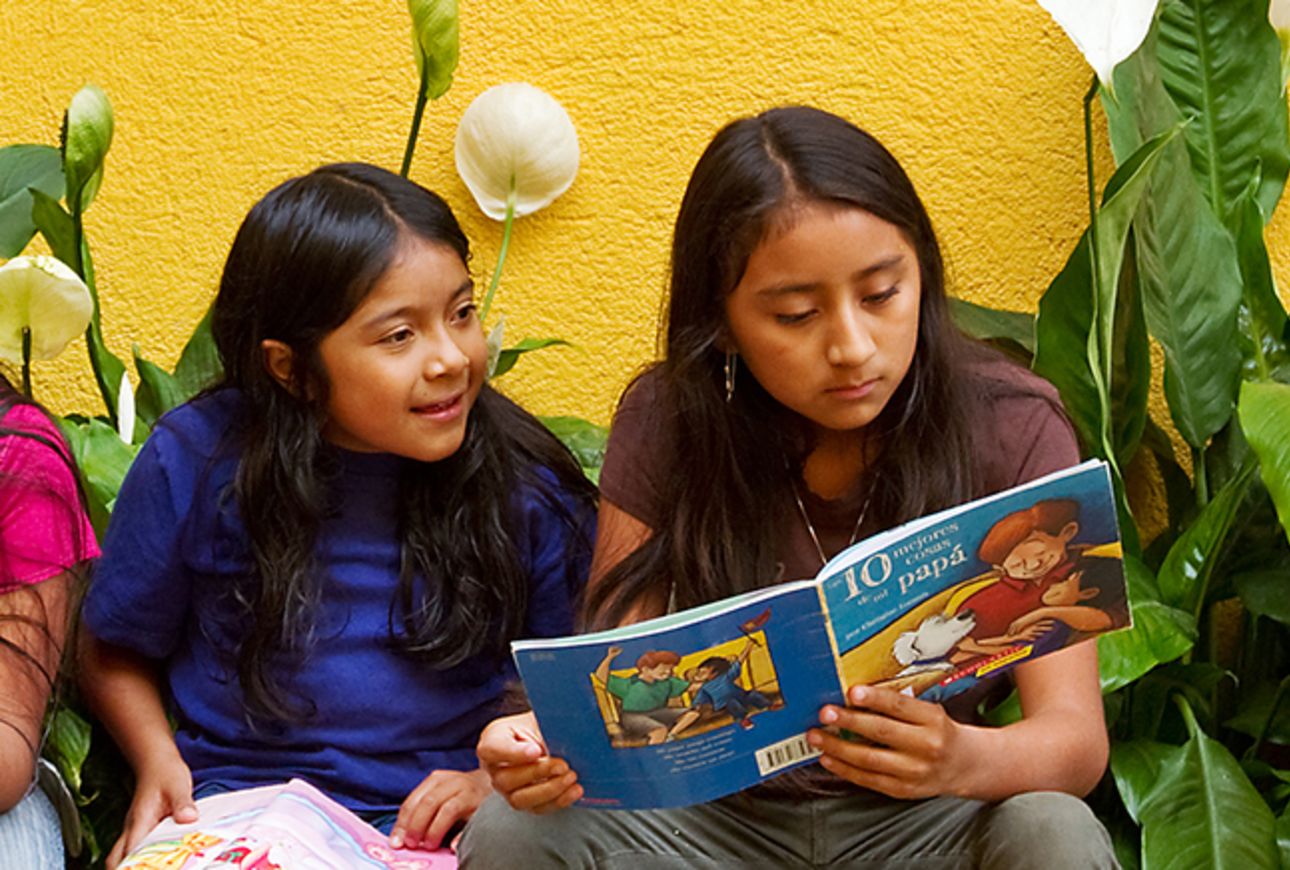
(277, 827)
(695, 705)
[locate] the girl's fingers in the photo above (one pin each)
(876, 727)
(547, 796)
(871, 759)
(509, 779)
(893, 704)
(879, 782)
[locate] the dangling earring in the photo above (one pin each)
(732, 364)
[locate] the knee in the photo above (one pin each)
(497, 836)
(1045, 829)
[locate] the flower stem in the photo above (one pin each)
(26, 362)
(501, 254)
(416, 122)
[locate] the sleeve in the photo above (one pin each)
(560, 537)
(635, 454)
(617, 686)
(43, 527)
(140, 593)
(1028, 436)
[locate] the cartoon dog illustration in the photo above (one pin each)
(930, 646)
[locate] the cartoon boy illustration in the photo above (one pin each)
(1032, 554)
(646, 693)
(716, 678)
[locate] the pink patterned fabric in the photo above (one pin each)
(43, 528)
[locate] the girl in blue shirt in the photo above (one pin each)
(318, 564)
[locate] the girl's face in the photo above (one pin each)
(406, 367)
(826, 314)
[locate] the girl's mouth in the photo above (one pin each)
(448, 409)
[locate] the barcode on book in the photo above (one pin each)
(780, 755)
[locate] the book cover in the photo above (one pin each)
(699, 704)
(280, 827)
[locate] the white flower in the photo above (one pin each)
(1104, 31)
(44, 295)
(125, 410)
(1279, 16)
(516, 141)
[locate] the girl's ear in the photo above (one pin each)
(277, 361)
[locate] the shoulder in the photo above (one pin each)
(201, 427)
(34, 443)
(1021, 430)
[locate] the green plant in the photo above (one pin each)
(1174, 252)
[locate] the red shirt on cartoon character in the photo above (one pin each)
(1038, 580)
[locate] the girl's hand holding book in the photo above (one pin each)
(512, 752)
(907, 749)
(163, 788)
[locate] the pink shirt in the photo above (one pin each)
(43, 528)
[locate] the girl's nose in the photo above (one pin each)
(445, 358)
(850, 343)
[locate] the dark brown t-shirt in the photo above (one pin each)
(1022, 435)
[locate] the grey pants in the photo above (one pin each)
(1039, 829)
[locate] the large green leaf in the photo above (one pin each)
(1283, 836)
(1264, 712)
(1196, 681)
(1221, 62)
(508, 356)
(69, 745)
(1075, 332)
(1196, 806)
(1130, 365)
(55, 226)
(1185, 574)
(1265, 420)
(1265, 593)
(1186, 259)
(1160, 633)
(103, 459)
(993, 324)
(585, 440)
(23, 167)
(159, 391)
(199, 366)
(1262, 318)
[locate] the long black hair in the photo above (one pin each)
(304, 258)
(737, 460)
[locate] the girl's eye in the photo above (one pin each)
(464, 313)
(879, 298)
(794, 317)
(399, 336)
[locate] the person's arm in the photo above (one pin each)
(918, 751)
(123, 690)
(602, 669)
(1078, 617)
(511, 750)
(33, 623)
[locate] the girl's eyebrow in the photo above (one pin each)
(467, 288)
(776, 290)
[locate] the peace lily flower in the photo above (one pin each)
(125, 410)
(1279, 15)
(87, 136)
(1104, 31)
(517, 151)
(43, 306)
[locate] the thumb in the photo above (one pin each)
(183, 807)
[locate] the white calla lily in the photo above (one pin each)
(1279, 16)
(43, 295)
(125, 410)
(1105, 31)
(515, 144)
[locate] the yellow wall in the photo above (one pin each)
(217, 100)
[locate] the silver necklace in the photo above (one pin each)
(810, 527)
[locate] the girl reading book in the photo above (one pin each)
(814, 391)
(45, 545)
(317, 565)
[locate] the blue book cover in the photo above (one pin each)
(699, 704)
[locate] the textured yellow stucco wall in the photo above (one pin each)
(218, 100)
